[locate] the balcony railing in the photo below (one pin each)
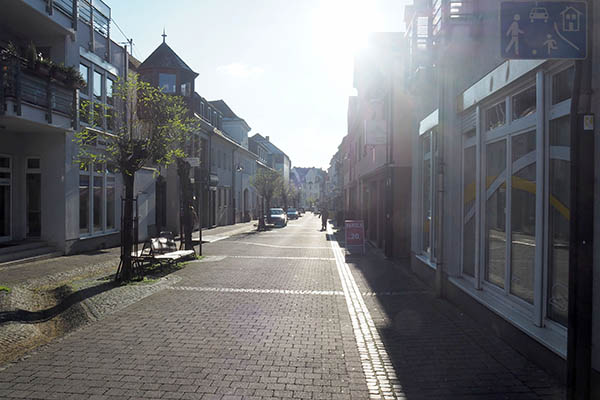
(39, 88)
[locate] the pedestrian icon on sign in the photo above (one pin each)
(544, 29)
(550, 44)
(514, 31)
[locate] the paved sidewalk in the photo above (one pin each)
(59, 269)
(437, 351)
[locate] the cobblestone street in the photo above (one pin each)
(276, 315)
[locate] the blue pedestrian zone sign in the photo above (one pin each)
(543, 30)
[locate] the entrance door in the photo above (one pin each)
(161, 204)
(33, 187)
(5, 186)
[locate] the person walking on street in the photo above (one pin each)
(324, 218)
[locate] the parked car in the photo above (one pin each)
(278, 217)
(292, 213)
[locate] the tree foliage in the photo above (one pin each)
(147, 128)
(266, 182)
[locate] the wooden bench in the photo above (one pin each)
(160, 250)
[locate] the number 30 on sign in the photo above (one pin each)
(355, 235)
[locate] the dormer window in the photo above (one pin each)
(167, 82)
(186, 89)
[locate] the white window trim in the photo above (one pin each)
(91, 174)
(530, 318)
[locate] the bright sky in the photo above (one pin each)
(285, 66)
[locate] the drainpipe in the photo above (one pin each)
(581, 257)
(210, 201)
(233, 174)
(389, 188)
(440, 166)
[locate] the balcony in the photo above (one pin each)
(48, 95)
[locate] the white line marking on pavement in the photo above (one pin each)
(377, 366)
(283, 247)
(262, 291)
(212, 239)
(286, 258)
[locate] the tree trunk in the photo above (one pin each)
(127, 233)
(183, 170)
(261, 217)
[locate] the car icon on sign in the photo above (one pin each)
(538, 13)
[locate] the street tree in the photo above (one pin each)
(148, 127)
(283, 192)
(265, 181)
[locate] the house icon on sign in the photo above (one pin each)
(571, 19)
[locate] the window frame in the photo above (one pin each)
(165, 74)
(428, 257)
(91, 173)
(539, 121)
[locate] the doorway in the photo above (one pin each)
(161, 204)
(33, 194)
(5, 197)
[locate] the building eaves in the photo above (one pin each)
(164, 57)
(227, 112)
(268, 144)
(238, 146)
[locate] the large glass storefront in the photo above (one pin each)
(515, 189)
(97, 200)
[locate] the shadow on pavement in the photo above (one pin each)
(66, 297)
(66, 302)
(437, 351)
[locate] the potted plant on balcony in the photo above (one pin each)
(10, 51)
(58, 72)
(43, 66)
(32, 56)
(74, 79)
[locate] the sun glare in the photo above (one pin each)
(340, 30)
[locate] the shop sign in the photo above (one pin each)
(355, 235)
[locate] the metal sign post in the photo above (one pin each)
(543, 30)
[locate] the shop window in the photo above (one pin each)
(524, 103)
(522, 214)
(495, 216)
(469, 203)
(558, 220)
(495, 116)
(110, 202)
(427, 194)
(97, 199)
(562, 85)
(98, 194)
(84, 200)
